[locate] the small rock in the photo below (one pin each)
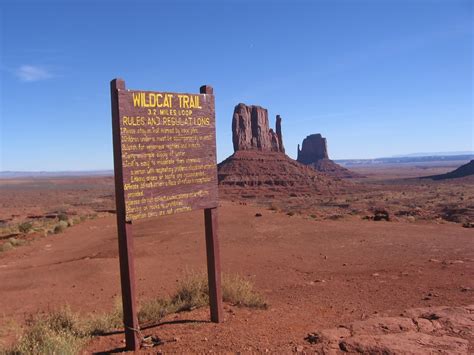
(299, 348)
(430, 316)
(468, 225)
(381, 215)
(434, 261)
(313, 338)
(258, 215)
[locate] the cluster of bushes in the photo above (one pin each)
(59, 225)
(65, 332)
(11, 243)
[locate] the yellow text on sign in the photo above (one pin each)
(151, 99)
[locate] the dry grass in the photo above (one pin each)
(60, 332)
(11, 243)
(193, 293)
(240, 292)
(65, 332)
(106, 322)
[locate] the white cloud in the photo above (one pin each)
(30, 73)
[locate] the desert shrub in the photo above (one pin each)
(106, 322)
(193, 293)
(240, 292)
(6, 246)
(16, 242)
(25, 227)
(155, 309)
(56, 333)
(64, 332)
(60, 227)
(291, 213)
(63, 217)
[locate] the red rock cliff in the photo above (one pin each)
(250, 130)
(314, 148)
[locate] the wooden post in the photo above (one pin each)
(212, 251)
(213, 265)
(124, 229)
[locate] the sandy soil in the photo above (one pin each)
(314, 274)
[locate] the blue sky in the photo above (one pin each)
(376, 78)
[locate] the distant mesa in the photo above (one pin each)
(259, 162)
(314, 153)
(250, 130)
(462, 171)
(314, 148)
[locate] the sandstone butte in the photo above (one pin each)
(259, 163)
(250, 130)
(314, 153)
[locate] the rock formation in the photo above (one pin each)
(462, 171)
(314, 153)
(314, 148)
(430, 330)
(250, 130)
(279, 135)
(257, 169)
(259, 164)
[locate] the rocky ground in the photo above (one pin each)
(440, 330)
(315, 275)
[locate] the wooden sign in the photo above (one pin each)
(168, 146)
(164, 163)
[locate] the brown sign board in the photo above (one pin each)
(168, 152)
(164, 163)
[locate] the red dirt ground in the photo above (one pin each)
(314, 274)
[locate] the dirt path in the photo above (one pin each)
(314, 274)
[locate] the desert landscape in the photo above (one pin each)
(378, 261)
(248, 177)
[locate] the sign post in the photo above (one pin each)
(164, 163)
